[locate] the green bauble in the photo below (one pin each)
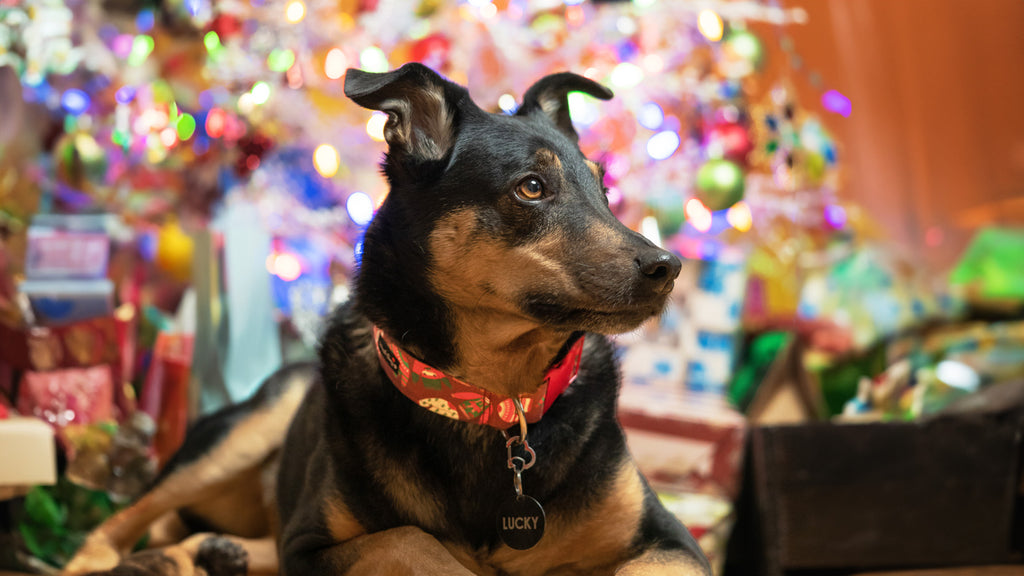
(744, 51)
(720, 184)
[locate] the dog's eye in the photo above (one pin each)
(530, 189)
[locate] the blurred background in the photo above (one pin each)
(836, 385)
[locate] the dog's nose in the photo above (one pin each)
(658, 267)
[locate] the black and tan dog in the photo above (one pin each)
(488, 279)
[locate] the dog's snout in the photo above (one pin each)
(658, 267)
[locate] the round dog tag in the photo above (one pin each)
(521, 523)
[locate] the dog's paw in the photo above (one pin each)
(146, 563)
(96, 555)
(222, 557)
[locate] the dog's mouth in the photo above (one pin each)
(605, 318)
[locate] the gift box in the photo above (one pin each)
(29, 455)
(685, 442)
(59, 302)
(62, 397)
(64, 247)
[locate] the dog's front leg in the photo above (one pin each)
(406, 551)
(663, 563)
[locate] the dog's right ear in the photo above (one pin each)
(415, 98)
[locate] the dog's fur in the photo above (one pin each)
(471, 275)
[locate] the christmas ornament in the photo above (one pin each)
(720, 184)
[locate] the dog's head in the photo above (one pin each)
(503, 213)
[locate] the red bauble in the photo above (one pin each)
(226, 26)
(432, 50)
(732, 139)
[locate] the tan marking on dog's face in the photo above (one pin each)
(481, 279)
(591, 541)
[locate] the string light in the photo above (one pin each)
(335, 63)
(326, 160)
(626, 75)
(284, 265)
(710, 25)
(360, 208)
(75, 101)
(373, 59)
(663, 144)
(260, 92)
(698, 215)
(375, 126)
(295, 11)
(507, 103)
(739, 216)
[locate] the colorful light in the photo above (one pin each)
(626, 75)
(260, 92)
(75, 101)
(144, 20)
(326, 160)
(186, 126)
(168, 137)
(698, 215)
(295, 11)
(335, 63)
(212, 42)
(834, 101)
(125, 94)
(710, 25)
(663, 144)
(142, 46)
(582, 109)
(122, 45)
(650, 229)
(835, 215)
(507, 103)
(360, 208)
(373, 59)
(375, 126)
(739, 216)
(488, 10)
(284, 265)
(215, 122)
(280, 59)
(651, 116)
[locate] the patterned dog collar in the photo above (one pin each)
(458, 400)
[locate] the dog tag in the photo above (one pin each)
(521, 523)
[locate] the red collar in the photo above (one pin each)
(458, 400)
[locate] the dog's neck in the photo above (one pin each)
(503, 353)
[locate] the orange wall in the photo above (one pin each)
(936, 137)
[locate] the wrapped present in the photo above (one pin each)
(79, 344)
(64, 246)
(685, 442)
(29, 455)
(74, 395)
(58, 302)
(165, 393)
(709, 519)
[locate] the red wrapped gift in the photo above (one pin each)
(685, 442)
(62, 397)
(165, 394)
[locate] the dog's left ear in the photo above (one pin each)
(416, 99)
(550, 95)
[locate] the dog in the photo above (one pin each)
(461, 418)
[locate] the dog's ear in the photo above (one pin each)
(416, 99)
(550, 95)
